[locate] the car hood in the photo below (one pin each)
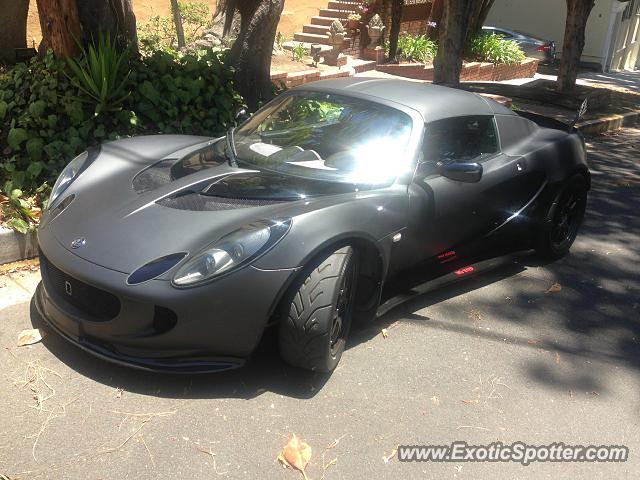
(139, 200)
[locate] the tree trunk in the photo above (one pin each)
(252, 50)
(115, 17)
(453, 33)
(177, 20)
(574, 38)
(60, 26)
(479, 12)
(396, 17)
(13, 33)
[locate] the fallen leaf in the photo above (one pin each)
(385, 333)
(435, 400)
(30, 336)
(386, 458)
(119, 392)
(296, 454)
(556, 287)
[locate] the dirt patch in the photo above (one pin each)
(295, 14)
(282, 61)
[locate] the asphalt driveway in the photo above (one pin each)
(527, 352)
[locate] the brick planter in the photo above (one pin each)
(471, 71)
(294, 79)
(417, 71)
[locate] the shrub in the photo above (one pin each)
(183, 94)
(298, 52)
(101, 73)
(43, 123)
(46, 119)
(159, 33)
(418, 48)
(495, 49)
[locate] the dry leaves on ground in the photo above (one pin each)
(30, 336)
(388, 458)
(556, 287)
(295, 454)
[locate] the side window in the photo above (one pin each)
(460, 139)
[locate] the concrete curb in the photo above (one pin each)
(610, 123)
(16, 246)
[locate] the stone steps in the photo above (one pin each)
(350, 7)
(333, 13)
(318, 20)
(317, 29)
(316, 38)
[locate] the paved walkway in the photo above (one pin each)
(619, 80)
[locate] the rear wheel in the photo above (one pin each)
(317, 312)
(563, 219)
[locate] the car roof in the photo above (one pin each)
(433, 102)
(515, 32)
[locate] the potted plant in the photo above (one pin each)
(353, 21)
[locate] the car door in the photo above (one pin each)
(458, 191)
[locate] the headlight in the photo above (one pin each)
(232, 251)
(67, 176)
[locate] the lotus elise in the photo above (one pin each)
(174, 253)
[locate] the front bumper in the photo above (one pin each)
(155, 326)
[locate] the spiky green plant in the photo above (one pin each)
(101, 73)
(493, 48)
(298, 52)
(417, 48)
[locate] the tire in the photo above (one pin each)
(317, 312)
(563, 219)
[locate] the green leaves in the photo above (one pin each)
(101, 74)
(16, 137)
(148, 91)
(34, 150)
(495, 49)
(37, 108)
(46, 118)
(18, 224)
(416, 48)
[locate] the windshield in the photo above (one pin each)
(327, 137)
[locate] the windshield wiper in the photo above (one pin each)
(232, 154)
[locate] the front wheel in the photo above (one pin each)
(317, 312)
(563, 219)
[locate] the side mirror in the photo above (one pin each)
(462, 172)
(241, 116)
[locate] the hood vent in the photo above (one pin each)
(153, 177)
(201, 203)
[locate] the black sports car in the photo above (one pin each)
(174, 253)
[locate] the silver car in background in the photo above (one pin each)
(534, 47)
